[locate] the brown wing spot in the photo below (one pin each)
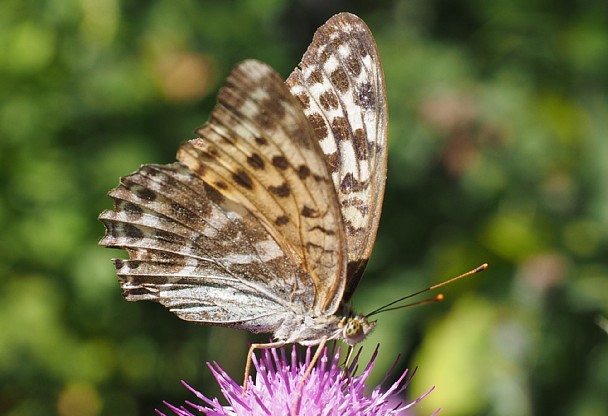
(316, 77)
(282, 220)
(332, 161)
(364, 96)
(304, 99)
(357, 203)
(309, 212)
(180, 212)
(255, 161)
(280, 162)
(325, 55)
(209, 153)
(347, 182)
(350, 184)
(212, 193)
(265, 120)
(111, 229)
(129, 207)
(352, 230)
(283, 190)
(221, 185)
(340, 79)
(213, 151)
(242, 179)
(145, 193)
(200, 170)
(274, 106)
(132, 231)
(360, 144)
(323, 230)
(328, 100)
(261, 141)
(206, 155)
(339, 126)
(166, 236)
(319, 126)
(353, 64)
(303, 172)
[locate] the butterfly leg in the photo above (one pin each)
(347, 370)
(314, 360)
(252, 348)
(349, 355)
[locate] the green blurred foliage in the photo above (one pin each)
(498, 153)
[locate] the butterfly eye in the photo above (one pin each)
(353, 328)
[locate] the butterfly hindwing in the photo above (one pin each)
(201, 255)
(340, 85)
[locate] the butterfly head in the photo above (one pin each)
(356, 328)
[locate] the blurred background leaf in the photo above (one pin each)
(498, 153)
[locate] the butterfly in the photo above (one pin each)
(269, 217)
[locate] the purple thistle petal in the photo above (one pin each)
(329, 389)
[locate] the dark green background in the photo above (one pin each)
(498, 153)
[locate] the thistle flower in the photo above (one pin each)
(277, 390)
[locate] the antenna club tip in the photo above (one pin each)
(482, 268)
(439, 297)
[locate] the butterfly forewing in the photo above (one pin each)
(340, 85)
(259, 150)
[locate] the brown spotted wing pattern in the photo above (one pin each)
(340, 85)
(253, 227)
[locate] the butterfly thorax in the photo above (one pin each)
(310, 330)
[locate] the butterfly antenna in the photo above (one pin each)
(437, 298)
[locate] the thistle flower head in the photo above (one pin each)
(277, 389)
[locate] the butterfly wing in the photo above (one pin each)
(247, 225)
(340, 85)
(201, 255)
(260, 151)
